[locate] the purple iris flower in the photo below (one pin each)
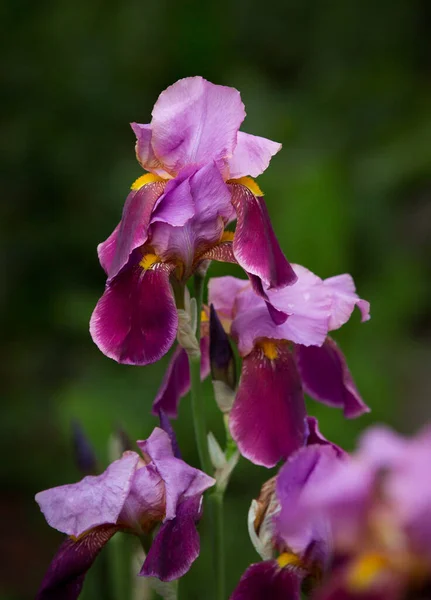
(378, 506)
(134, 495)
(175, 216)
(294, 547)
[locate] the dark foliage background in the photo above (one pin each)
(344, 85)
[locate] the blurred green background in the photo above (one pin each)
(344, 85)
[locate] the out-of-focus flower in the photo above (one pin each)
(267, 419)
(294, 547)
(378, 506)
(175, 216)
(134, 495)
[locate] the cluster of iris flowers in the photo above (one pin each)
(330, 526)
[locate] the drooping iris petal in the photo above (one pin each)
(65, 576)
(93, 501)
(144, 150)
(326, 377)
(133, 228)
(344, 300)
(303, 530)
(181, 480)
(267, 420)
(266, 580)
(255, 246)
(195, 122)
(176, 381)
(135, 321)
(251, 156)
(176, 545)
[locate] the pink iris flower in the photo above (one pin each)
(199, 179)
(279, 361)
(135, 494)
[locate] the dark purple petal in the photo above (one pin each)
(133, 228)
(176, 545)
(135, 322)
(75, 508)
(195, 122)
(176, 381)
(255, 246)
(65, 576)
(326, 377)
(268, 416)
(267, 581)
(222, 359)
(315, 437)
(166, 425)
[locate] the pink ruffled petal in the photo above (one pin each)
(267, 419)
(135, 322)
(93, 501)
(195, 122)
(344, 300)
(251, 155)
(144, 150)
(326, 378)
(255, 246)
(223, 291)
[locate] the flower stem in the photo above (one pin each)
(215, 499)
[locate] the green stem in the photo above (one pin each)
(216, 502)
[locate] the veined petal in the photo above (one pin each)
(176, 545)
(267, 420)
(176, 381)
(93, 501)
(326, 378)
(145, 503)
(65, 576)
(195, 122)
(135, 321)
(344, 300)
(266, 580)
(132, 231)
(255, 246)
(144, 150)
(251, 155)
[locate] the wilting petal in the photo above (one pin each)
(93, 501)
(176, 381)
(344, 300)
(133, 228)
(326, 377)
(315, 437)
(182, 481)
(195, 122)
(255, 246)
(266, 580)
(135, 321)
(268, 416)
(65, 576)
(251, 155)
(306, 532)
(106, 250)
(176, 545)
(144, 150)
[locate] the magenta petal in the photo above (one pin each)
(177, 205)
(268, 416)
(93, 501)
(251, 155)
(65, 576)
(144, 150)
(135, 321)
(106, 250)
(315, 436)
(176, 545)
(255, 246)
(266, 581)
(195, 122)
(176, 381)
(326, 377)
(133, 228)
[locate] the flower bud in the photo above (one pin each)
(222, 361)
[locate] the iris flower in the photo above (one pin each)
(135, 494)
(199, 179)
(279, 361)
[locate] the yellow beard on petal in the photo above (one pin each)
(288, 559)
(365, 571)
(144, 180)
(148, 260)
(269, 349)
(249, 183)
